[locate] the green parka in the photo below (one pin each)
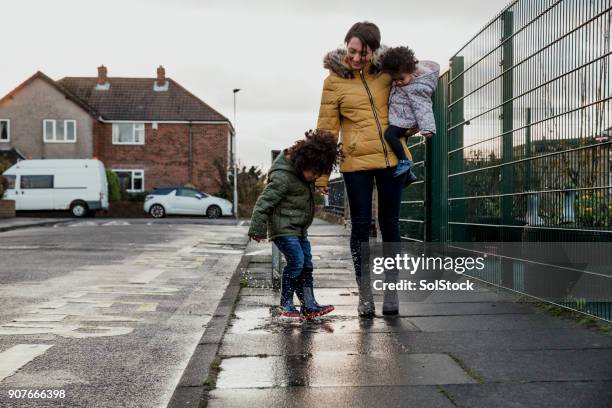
(286, 206)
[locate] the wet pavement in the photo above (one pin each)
(476, 349)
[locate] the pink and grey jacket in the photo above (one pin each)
(410, 106)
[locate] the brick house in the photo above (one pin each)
(150, 131)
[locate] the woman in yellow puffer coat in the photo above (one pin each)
(355, 103)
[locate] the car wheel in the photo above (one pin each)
(79, 209)
(213, 211)
(157, 211)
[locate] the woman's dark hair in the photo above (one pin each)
(398, 60)
(318, 152)
(368, 33)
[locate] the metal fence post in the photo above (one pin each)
(455, 141)
(507, 176)
(277, 258)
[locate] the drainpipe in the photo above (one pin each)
(190, 160)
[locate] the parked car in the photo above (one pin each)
(72, 184)
(185, 201)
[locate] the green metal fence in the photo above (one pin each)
(529, 129)
(523, 150)
(526, 153)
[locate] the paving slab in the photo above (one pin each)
(290, 397)
(329, 369)
(541, 365)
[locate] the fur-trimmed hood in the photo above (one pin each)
(334, 61)
(427, 71)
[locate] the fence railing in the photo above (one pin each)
(523, 151)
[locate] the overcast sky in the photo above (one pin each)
(272, 49)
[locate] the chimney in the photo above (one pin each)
(102, 83)
(161, 84)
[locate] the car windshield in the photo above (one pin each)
(163, 191)
(188, 192)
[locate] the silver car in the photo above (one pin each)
(185, 201)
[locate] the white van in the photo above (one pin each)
(76, 185)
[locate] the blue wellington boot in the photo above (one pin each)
(310, 307)
(299, 291)
(286, 303)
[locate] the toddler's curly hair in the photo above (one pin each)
(398, 60)
(317, 152)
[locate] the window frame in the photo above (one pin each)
(136, 127)
(8, 131)
(132, 190)
(54, 139)
(22, 176)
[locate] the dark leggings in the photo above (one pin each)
(392, 136)
(359, 188)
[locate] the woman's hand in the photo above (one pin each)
(323, 190)
(258, 238)
(411, 132)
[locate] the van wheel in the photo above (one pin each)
(79, 209)
(157, 211)
(213, 211)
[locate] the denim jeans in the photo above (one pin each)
(359, 188)
(297, 274)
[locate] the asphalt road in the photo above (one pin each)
(108, 312)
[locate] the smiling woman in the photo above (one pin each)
(354, 102)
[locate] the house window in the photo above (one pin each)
(59, 131)
(5, 130)
(31, 182)
(131, 181)
(128, 133)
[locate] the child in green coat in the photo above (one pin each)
(285, 210)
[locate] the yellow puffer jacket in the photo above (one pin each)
(359, 107)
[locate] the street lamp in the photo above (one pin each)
(234, 159)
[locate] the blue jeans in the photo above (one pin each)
(359, 188)
(297, 274)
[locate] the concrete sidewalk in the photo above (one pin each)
(478, 349)
(8, 224)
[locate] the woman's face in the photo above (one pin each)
(357, 57)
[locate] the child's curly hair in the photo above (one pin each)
(398, 60)
(318, 152)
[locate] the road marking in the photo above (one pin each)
(74, 294)
(261, 251)
(105, 318)
(17, 356)
(114, 223)
(83, 224)
(41, 318)
(53, 304)
(147, 276)
(61, 329)
(20, 247)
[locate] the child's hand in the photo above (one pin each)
(258, 238)
(323, 190)
(411, 132)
